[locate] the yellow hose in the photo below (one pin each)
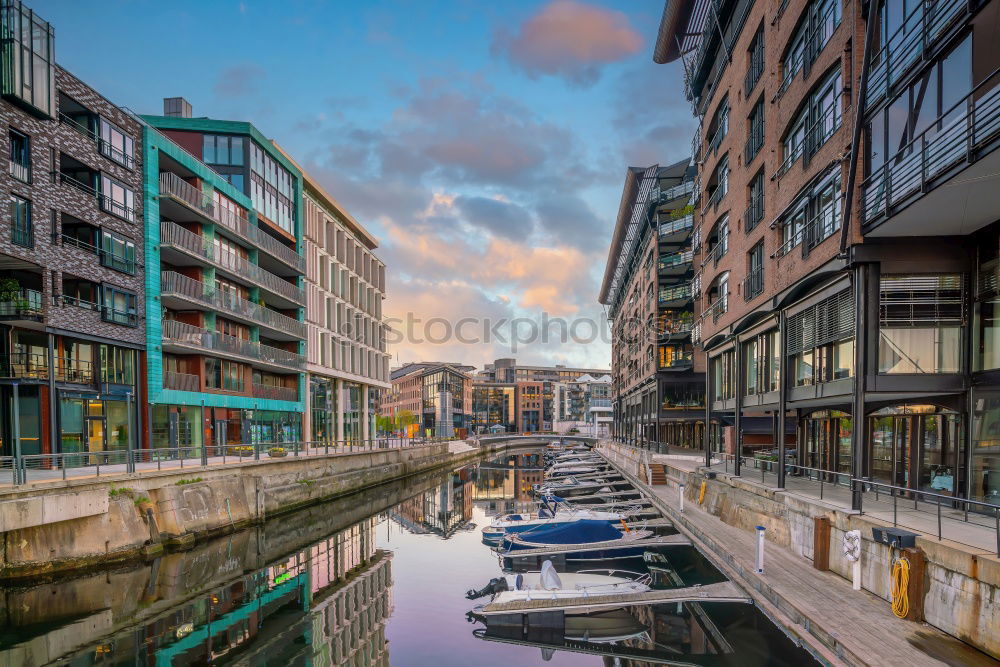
(701, 494)
(900, 583)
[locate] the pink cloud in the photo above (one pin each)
(569, 39)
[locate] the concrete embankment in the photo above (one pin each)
(64, 526)
(959, 587)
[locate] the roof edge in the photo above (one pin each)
(675, 18)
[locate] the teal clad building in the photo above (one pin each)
(225, 297)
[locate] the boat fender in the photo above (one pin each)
(496, 585)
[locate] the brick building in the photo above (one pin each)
(437, 394)
(71, 275)
(848, 214)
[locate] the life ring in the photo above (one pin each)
(851, 545)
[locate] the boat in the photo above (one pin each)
(572, 486)
(547, 584)
(516, 523)
(614, 543)
(604, 627)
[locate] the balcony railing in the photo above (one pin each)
(675, 259)
(916, 33)
(275, 393)
(175, 283)
(171, 184)
(24, 303)
(754, 213)
(716, 197)
(753, 284)
(181, 381)
(35, 366)
(106, 203)
(957, 137)
(756, 68)
(674, 293)
(679, 225)
(659, 196)
(718, 250)
(814, 137)
(213, 341)
(21, 172)
(755, 141)
(717, 309)
(177, 236)
(126, 318)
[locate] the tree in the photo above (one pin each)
(404, 418)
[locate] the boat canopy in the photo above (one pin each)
(578, 532)
(549, 579)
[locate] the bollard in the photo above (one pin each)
(681, 490)
(852, 552)
(760, 549)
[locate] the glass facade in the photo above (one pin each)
(272, 189)
(917, 447)
(28, 59)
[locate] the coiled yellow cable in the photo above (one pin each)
(900, 583)
(701, 494)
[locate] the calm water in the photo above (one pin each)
(377, 578)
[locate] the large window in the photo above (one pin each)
(116, 144)
(755, 62)
(920, 323)
(119, 306)
(117, 252)
(814, 216)
(812, 33)
(761, 363)
(820, 340)
(117, 198)
(20, 156)
(21, 232)
(224, 375)
(754, 283)
(818, 119)
(223, 149)
(755, 131)
(724, 376)
(272, 189)
(117, 365)
(29, 59)
(755, 195)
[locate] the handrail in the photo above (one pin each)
(675, 259)
(681, 292)
(717, 307)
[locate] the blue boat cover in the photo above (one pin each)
(584, 531)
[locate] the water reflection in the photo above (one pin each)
(345, 582)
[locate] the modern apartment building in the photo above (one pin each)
(72, 313)
(651, 289)
(848, 211)
(437, 394)
(508, 370)
(224, 284)
(494, 407)
(346, 361)
(583, 404)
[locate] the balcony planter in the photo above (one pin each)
(277, 452)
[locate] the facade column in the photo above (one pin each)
(53, 421)
(738, 404)
(859, 443)
(307, 434)
(707, 433)
(365, 415)
(779, 423)
(339, 389)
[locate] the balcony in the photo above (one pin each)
(275, 393)
(674, 264)
(675, 193)
(959, 149)
(181, 381)
(674, 297)
(753, 284)
(176, 286)
(717, 252)
(35, 366)
(174, 236)
(105, 202)
(676, 231)
(717, 309)
(189, 337)
(105, 148)
(171, 185)
(904, 48)
(21, 305)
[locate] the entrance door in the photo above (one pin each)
(221, 429)
(903, 447)
(882, 437)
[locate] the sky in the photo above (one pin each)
(483, 143)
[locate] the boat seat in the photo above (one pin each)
(519, 582)
(549, 579)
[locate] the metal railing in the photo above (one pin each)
(753, 284)
(717, 252)
(717, 195)
(174, 186)
(813, 45)
(22, 233)
(756, 68)
(674, 293)
(675, 259)
(916, 33)
(817, 229)
(22, 303)
(658, 196)
(115, 154)
(755, 139)
(754, 213)
(954, 139)
(214, 341)
(813, 138)
(275, 393)
(717, 308)
(127, 318)
(181, 285)
(29, 468)
(678, 225)
(181, 381)
(104, 202)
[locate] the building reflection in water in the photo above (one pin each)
(442, 510)
(324, 605)
(504, 485)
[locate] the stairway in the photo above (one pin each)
(658, 474)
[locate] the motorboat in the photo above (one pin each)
(574, 486)
(517, 523)
(579, 469)
(620, 543)
(604, 627)
(547, 584)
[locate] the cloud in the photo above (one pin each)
(568, 39)
(239, 80)
(497, 217)
(565, 216)
(659, 129)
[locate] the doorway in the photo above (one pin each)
(916, 447)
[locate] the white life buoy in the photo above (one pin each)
(852, 545)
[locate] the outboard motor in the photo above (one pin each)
(496, 585)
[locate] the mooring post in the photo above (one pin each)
(681, 490)
(760, 549)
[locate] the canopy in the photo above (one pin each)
(584, 531)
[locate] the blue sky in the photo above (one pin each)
(483, 143)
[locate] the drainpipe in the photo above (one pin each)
(859, 109)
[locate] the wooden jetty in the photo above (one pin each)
(725, 591)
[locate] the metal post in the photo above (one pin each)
(680, 489)
(760, 549)
(204, 445)
(20, 474)
(738, 408)
(782, 398)
(858, 426)
(706, 435)
(130, 460)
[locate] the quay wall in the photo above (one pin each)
(962, 584)
(71, 525)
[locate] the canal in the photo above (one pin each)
(375, 578)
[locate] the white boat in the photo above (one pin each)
(548, 584)
(604, 627)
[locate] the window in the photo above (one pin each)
(718, 240)
(920, 323)
(119, 306)
(116, 144)
(20, 156)
(21, 231)
(718, 183)
(814, 216)
(753, 286)
(222, 149)
(718, 297)
(271, 189)
(116, 198)
(816, 122)
(755, 195)
(117, 252)
(755, 62)
(675, 356)
(29, 59)
(814, 30)
(761, 363)
(719, 126)
(117, 365)
(755, 131)
(724, 376)
(820, 340)
(225, 375)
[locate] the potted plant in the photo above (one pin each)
(241, 450)
(277, 452)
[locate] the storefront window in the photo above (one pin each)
(175, 426)
(985, 469)
(920, 323)
(917, 447)
(117, 424)
(71, 427)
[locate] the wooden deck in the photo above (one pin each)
(725, 591)
(664, 541)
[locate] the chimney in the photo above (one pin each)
(176, 107)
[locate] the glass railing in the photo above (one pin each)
(904, 47)
(181, 381)
(21, 303)
(673, 226)
(660, 196)
(675, 293)
(675, 259)
(175, 283)
(275, 393)
(956, 138)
